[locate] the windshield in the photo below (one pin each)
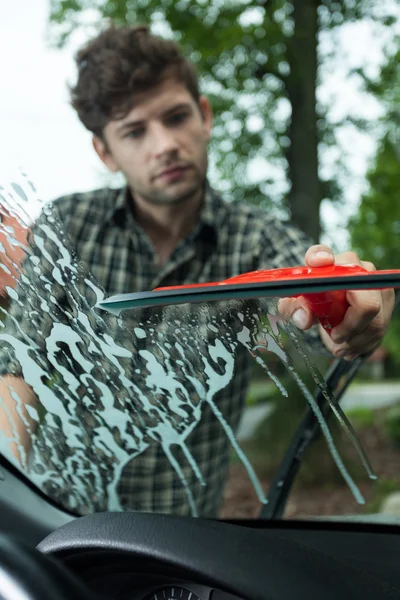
(132, 163)
(186, 409)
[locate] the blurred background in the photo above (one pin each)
(306, 98)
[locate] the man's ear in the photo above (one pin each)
(104, 154)
(207, 114)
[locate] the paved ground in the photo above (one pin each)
(371, 395)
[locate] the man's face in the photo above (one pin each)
(161, 145)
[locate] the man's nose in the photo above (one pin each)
(163, 141)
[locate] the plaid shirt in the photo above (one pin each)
(111, 252)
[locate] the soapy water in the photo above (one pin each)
(334, 405)
(110, 388)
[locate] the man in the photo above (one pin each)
(139, 97)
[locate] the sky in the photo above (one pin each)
(40, 133)
(39, 130)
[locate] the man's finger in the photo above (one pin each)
(368, 265)
(297, 311)
(319, 256)
(362, 343)
(365, 310)
(349, 258)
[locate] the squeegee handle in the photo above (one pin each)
(329, 307)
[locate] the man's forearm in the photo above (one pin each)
(16, 425)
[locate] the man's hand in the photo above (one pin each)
(11, 424)
(366, 320)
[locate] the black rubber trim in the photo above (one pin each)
(26, 512)
(6, 466)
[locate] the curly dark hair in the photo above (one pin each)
(119, 63)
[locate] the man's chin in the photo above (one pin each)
(177, 194)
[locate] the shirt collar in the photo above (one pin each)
(213, 209)
(121, 202)
(121, 211)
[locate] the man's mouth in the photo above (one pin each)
(173, 172)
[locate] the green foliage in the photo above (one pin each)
(260, 392)
(361, 417)
(392, 425)
(375, 229)
(381, 490)
(255, 60)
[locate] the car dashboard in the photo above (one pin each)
(117, 577)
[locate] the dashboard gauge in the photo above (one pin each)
(172, 593)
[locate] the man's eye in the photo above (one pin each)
(178, 118)
(135, 133)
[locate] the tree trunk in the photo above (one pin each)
(302, 156)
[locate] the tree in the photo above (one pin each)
(375, 229)
(259, 61)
